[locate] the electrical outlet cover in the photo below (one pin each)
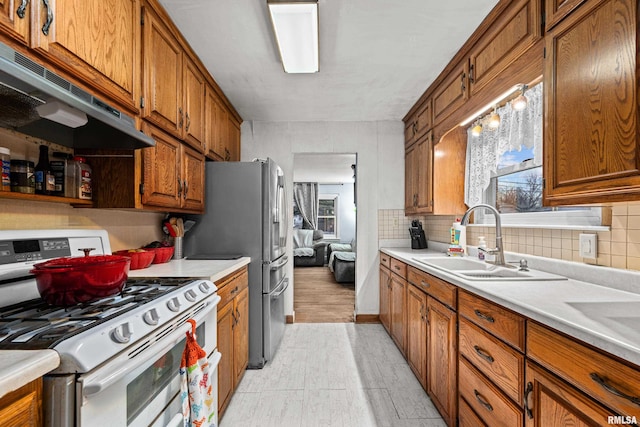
(589, 246)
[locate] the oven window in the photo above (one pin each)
(146, 386)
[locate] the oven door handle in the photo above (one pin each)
(103, 380)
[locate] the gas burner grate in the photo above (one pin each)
(34, 324)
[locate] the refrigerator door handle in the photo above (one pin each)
(277, 215)
(285, 260)
(277, 292)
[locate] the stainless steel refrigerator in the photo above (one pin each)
(246, 215)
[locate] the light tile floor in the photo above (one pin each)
(333, 374)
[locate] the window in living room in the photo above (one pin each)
(328, 215)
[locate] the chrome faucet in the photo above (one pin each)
(498, 251)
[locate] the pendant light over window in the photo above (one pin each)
(494, 119)
(520, 102)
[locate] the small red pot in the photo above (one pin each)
(139, 259)
(75, 280)
(163, 254)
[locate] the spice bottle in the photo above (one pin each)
(5, 163)
(83, 179)
(22, 178)
(45, 181)
(64, 171)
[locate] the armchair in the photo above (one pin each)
(308, 248)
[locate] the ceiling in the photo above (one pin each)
(376, 56)
(323, 168)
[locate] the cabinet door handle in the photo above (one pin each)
(482, 353)
(611, 389)
(237, 316)
(188, 122)
(462, 85)
(235, 321)
(483, 401)
(179, 188)
(484, 316)
(47, 24)
(22, 8)
(180, 118)
(527, 405)
(471, 74)
(186, 189)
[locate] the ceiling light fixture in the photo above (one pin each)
(295, 25)
(520, 102)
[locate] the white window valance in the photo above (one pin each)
(517, 129)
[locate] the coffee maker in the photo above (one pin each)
(418, 239)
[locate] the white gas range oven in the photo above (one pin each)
(119, 356)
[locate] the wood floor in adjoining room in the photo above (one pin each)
(332, 375)
(318, 298)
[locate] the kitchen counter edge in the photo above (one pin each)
(213, 270)
(590, 334)
(20, 367)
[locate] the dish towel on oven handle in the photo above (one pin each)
(196, 390)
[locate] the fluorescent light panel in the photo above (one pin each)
(296, 28)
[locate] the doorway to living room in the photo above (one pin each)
(324, 237)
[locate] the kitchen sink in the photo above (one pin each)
(476, 270)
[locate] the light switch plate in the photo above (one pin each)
(589, 246)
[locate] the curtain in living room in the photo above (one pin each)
(306, 197)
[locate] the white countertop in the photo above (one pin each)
(198, 269)
(20, 367)
(602, 316)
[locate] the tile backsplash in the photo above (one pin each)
(126, 229)
(618, 247)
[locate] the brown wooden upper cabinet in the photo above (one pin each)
(452, 93)
(96, 43)
(15, 20)
(173, 89)
(556, 10)
(173, 173)
(418, 176)
(591, 147)
(418, 123)
(516, 30)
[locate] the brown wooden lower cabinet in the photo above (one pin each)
(22, 407)
(442, 355)
(467, 417)
(551, 402)
(385, 297)
(491, 405)
(233, 334)
(417, 333)
(398, 311)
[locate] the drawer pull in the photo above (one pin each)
(483, 401)
(527, 400)
(611, 389)
(486, 356)
(424, 284)
(234, 290)
(397, 267)
(484, 316)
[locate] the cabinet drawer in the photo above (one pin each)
(499, 362)
(385, 260)
(501, 322)
(399, 267)
(492, 406)
(231, 285)
(593, 372)
(437, 288)
(466, 416)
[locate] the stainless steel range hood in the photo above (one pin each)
(26, 85)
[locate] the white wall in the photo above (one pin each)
(379, 147)
(346, 214)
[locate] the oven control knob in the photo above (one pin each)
(174, 304)
(151, 317)
(190, 295)
(204, 288)
(122, 333)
